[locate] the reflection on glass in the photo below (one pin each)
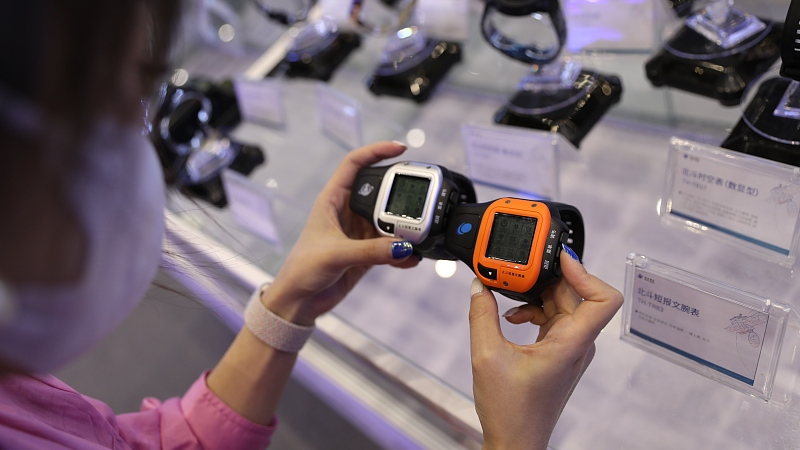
(415, 138)
(724, 25)
(226, 33)
(215, 153)
(789, 106)
(445, 268)
(380, 17)
(312, 39)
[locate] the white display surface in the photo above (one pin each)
(628, 398)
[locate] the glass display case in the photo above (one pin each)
(405, 332)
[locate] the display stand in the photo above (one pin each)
(556, 95)
(251, 206)
(561, 97)
(412, 65)
(742, 200)
(717, 331)
(716, 53)
(770, 120)
(524, 162)
(339, 117)
(190, 132)
(317, 51)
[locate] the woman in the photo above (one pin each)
(82, 200)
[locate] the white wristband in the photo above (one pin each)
(272, 329)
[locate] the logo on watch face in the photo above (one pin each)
(366, 189)
(464, 228)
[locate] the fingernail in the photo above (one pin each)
(570, 252)
(511, 312)
(476, 287)
(400, 143)
(402, 249)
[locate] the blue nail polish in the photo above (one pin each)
(401, 249)
(570, 252)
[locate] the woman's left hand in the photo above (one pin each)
(336, 247)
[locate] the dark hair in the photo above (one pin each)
(68, 57)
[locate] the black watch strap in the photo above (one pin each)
(531, 54)
(574, 220)
(465, 188)
(365, 191)
(790, 48)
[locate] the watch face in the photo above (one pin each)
(407, 197)
(511, 238)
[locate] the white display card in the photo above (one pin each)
(520, 160)
(715, 330)
(611, 25)
(339, 116)
(444, 19)
(749, 202)
(251, 205)
(260, 101)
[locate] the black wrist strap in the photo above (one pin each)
(365, 190)
(790, 47)
(574, 220)
(465, 187)
(512, 49)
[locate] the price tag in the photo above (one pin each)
(444, 19)
(612, 25)
(726, 334)
(748, 201)
(513, 159)
(339, 116)
(251, 205)
(260, 101)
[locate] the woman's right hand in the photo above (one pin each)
(520, 390)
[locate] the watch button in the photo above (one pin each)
(386, 226)
(487, 272)
(463, 229)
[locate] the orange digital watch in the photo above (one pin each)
(513, 245)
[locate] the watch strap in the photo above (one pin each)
(466, 188)
(364, 194)
(512, 49)
(572, 217)
(272, 329)
(790, 47)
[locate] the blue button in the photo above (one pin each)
(464, 228)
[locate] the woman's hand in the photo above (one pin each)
(520, 390)
(336, 247)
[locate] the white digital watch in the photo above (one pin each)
(411, 200)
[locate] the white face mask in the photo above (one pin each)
(117, 194)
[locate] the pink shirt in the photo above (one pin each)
(41, 412)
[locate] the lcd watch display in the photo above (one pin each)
(513, 245)
(510, 238)
(407, 197)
